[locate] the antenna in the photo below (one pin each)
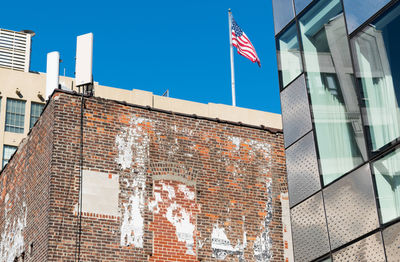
(52, 72)
(84, 61)
(166, 93)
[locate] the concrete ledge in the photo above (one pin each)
(211, 110)
(181, 106)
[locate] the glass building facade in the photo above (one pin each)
(339, 74)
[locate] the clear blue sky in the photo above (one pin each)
(178, 45)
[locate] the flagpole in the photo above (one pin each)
(232, 61)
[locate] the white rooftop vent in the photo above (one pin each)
(15, 49)
(84, 59)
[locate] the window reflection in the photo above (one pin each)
(289, 58)
(359, 11)
(387, 176)
(377, 65)
(283, 13)
(300, 5)
(330, 81)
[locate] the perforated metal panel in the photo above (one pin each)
(302, 169)
(296, 116)
(350, 207)
(391, 237)
(369, 249)
(310, 235)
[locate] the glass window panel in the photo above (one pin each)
(289, 57)
(330, 81)
(36, 110)
(387, 176)
(301, 4)
(15, 114)
(283, 13)
(359, 11)
(377, 62)
(8, 151)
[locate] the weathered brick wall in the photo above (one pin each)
(162, 187)
(24, 203)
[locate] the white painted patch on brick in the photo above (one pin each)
(221, 245)
(132, 224)
(127, 143)
(263, 244)
(286, 228)
(12, 237)
(153, 205)
(184, 229)
(133, 144)
(185, 190)
(169, 189)
(236, 141)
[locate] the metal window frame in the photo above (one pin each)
(13, 114)
(35, 117)
(371, 156)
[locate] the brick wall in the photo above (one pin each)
(156, 186)
(24, 203)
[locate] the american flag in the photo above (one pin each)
(243, 44)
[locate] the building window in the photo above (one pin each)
(331, 85)
(358, 11)
(301, 4)
(289, 57)
(387, 176)
(36, 110)
(377, 63)
(8, 151)
(15, 114)
(283, 13)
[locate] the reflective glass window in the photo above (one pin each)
(8, 151)
(358, 11)
(289, 57)
(15, 116)
(387, 178)
(283, 13)
(377, 62)
(36, 110)
(330, 81)
(300, 5)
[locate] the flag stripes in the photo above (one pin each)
(242, 43)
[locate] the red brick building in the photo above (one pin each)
(101, 180)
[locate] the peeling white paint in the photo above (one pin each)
(185, 190)
(132, 224)
(133, 144)
(256, 147)
(184, 229)
(221, 245)
(12, 237)
(153, 205)
(263, 243)
(127, 143)
(286, 228)
(236, 141)
(169, 189)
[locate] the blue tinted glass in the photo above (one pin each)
(377, 62)
(289, 58)
(300, 5)
(386, 172)
(283, 13)
(330, 81)
(358, 11)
